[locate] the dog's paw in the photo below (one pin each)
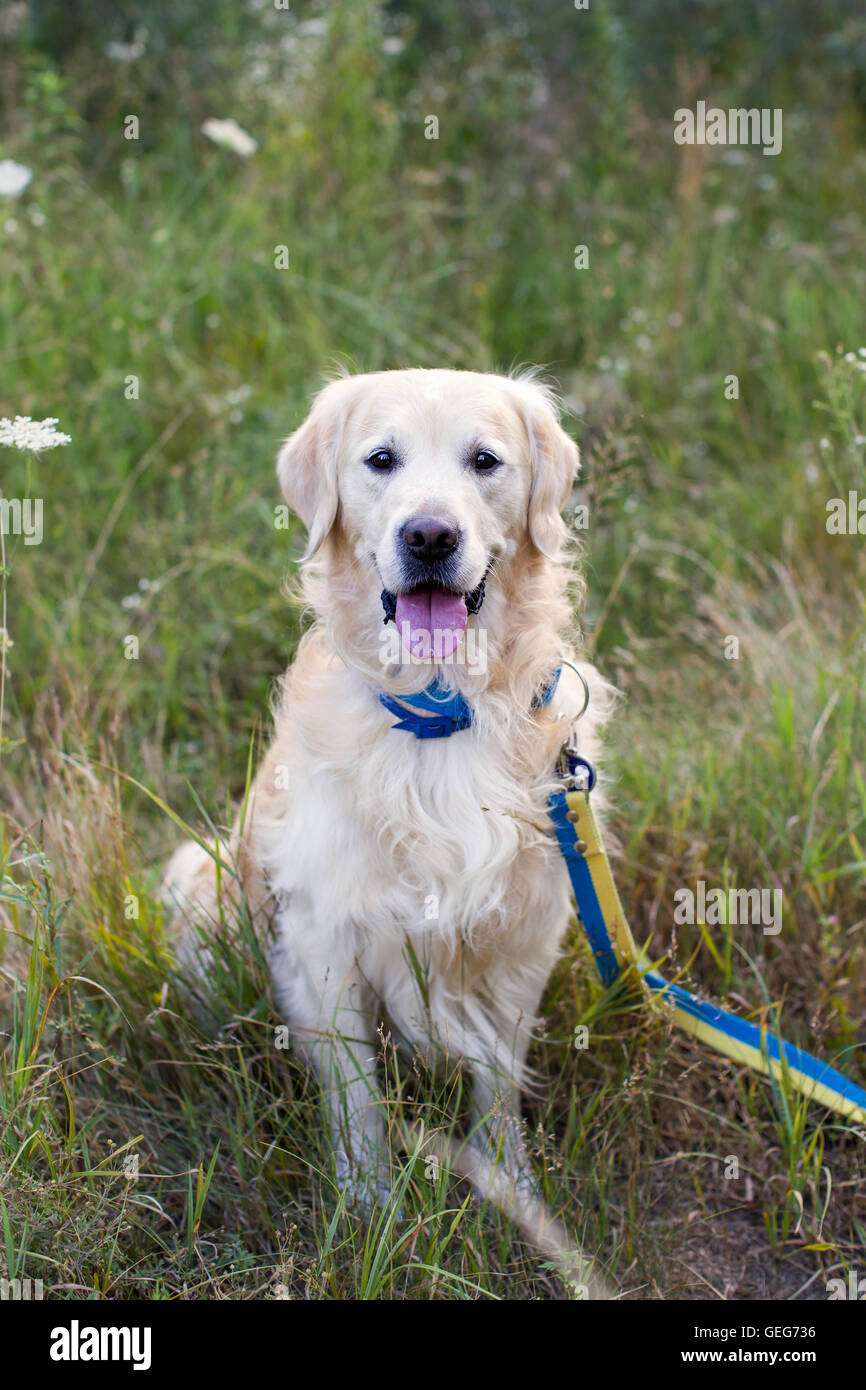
(507, 1179)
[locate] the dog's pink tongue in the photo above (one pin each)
(430, 621)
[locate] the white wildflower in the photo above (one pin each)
(14, 178)
(32, 435)
(128, 52)
(725, 214)
(239, 394)
(230, 136)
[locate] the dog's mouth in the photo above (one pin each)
(432, 620)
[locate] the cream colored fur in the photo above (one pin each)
(361, 841)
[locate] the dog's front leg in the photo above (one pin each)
(329, 1008)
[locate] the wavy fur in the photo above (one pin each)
(418, 876)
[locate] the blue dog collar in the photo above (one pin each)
(446, 712)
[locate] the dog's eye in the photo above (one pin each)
(485, 461)
(381, 459)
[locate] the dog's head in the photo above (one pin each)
(433, 479)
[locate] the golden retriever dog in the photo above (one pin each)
(399, 874)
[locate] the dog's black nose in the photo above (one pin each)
(430, 538)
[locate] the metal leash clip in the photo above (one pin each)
(578, 773)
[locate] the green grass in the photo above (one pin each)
(706, 521)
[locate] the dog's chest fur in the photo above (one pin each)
(376, 839)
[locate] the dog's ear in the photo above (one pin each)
(555, 462)
(307, 470)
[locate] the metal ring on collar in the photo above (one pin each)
(583, 681)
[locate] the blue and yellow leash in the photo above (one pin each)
(438, 713)
(615, 952)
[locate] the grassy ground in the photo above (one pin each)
(140, 1157)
